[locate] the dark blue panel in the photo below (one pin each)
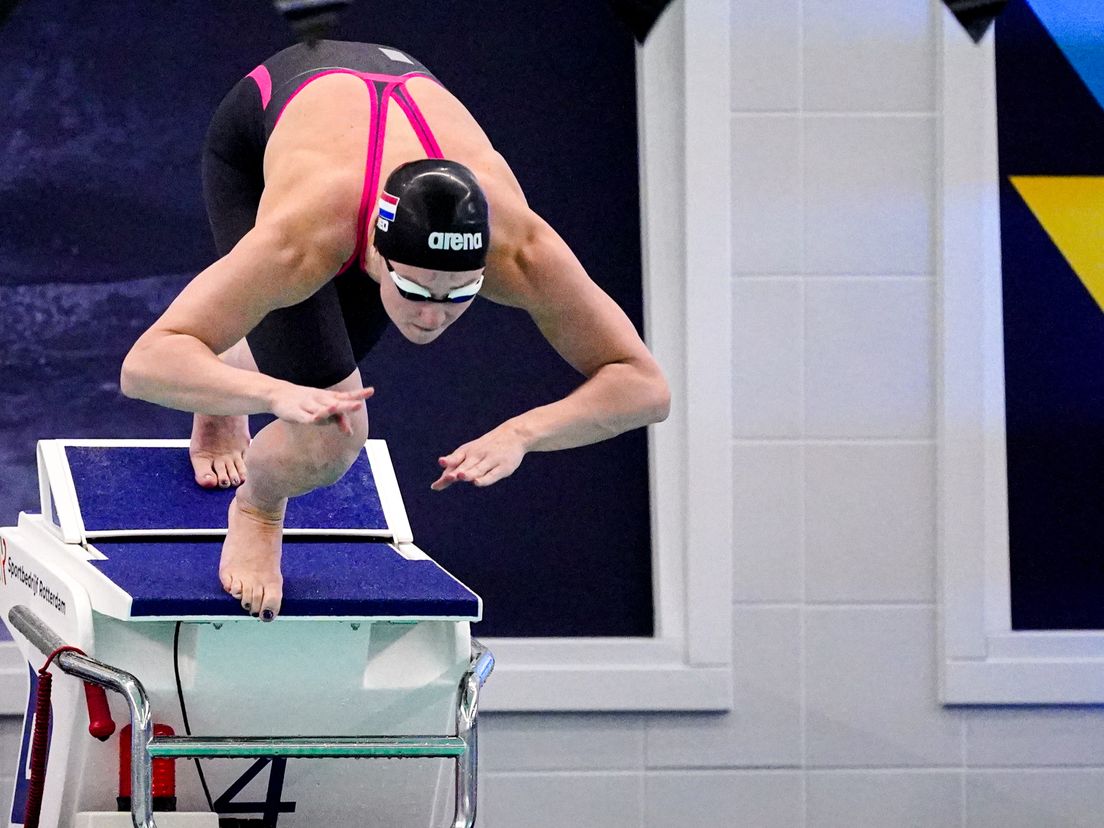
(154, 488)
(1049, 124)
(180, 578)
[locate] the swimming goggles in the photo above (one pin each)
(414, 292)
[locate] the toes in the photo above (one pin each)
(204, 474)
(226, 580)
(249, 594)
(221, 471)
(239, 467)
(270, 606)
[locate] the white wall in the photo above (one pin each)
(834, 125)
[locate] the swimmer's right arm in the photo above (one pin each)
(175, 363)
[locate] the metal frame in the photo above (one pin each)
(144, 746)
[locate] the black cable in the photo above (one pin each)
(184, 714)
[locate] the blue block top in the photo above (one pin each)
(154, 489)
(325, 577)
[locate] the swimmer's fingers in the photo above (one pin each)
(316, 406)
(347, 402)
(443, 482)
(474, 467)
(335, 412)
(338, 415)
(487, 460)
(361, 394)
(492, 476)
(449, 463)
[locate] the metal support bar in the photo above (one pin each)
(41, 636)
(467, 729)
(144, 745)
(307, 747)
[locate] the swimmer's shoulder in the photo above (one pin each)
(517, 233)
(315, 205)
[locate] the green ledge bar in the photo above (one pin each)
(308, 747)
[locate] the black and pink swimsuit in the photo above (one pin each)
(319, 341)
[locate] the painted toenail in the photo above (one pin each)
(268, 615)
(245, 606)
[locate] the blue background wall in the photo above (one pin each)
(102, 223)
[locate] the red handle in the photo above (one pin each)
(100, 723)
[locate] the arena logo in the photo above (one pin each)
(455, 241)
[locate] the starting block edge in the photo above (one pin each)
(387, 486)
(61, 502)
(58, 493)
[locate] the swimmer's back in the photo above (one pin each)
(289, 71)
(319, 100)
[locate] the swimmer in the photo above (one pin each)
(321, 249)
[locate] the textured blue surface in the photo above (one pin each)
(154, 488)
(321, 578)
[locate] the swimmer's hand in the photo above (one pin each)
(318, 406)
(495, 455)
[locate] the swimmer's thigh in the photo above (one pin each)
(306, 344)
(233, 165)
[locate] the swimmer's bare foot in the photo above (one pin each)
(218, 450)
(249, 568)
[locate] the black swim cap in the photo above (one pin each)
(433, 214)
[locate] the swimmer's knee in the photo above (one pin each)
(333, 452)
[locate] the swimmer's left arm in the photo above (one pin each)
(624, 387)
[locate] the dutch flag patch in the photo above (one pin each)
(387, 205)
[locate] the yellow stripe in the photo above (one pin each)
(1071, 210)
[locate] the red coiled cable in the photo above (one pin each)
(38, 750)
(100, 720)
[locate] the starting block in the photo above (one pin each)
(373, 638)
